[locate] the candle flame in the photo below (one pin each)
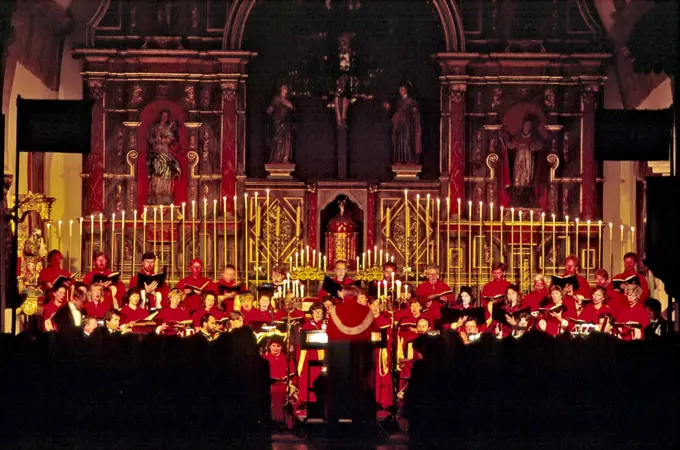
(59, 222)
(611, 224)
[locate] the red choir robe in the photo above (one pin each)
(192, 301)
(228, 303)
(533, 299)
(257, 315)
(405, 335)
(591, 314)
(248, 316)
(280, 369)
(281, 315)
(426, 289)
(196, 316)
(504, 330)
(494, 288)
(344, 282)
(350, 315)
(434, 312)
(169, 314)
(643, 283)
(108, 293)
(383, 365)
(97, 310)
(49, 310)
(128, 314)
(50, 274)
(150, 302)
(308, 374)
(553, 326)
(636, 313)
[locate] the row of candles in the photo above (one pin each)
(433, 223)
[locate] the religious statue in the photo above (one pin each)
(281, 143)
(162, 164)
(346, 84)
(32, 262)
(406, 138)
(341, 237)
(521, 171)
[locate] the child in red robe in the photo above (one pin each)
(306, 372)
(282, 371)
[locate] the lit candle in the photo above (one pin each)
(398, 291)
(427, 230)
(554, 241)
(576, 236)
(154, 228)
(49, 233)
(307, 254)
(543, 242)
(224, 229)
(387, 222)
(257, 240)
(379, 283)
(313, 257)
(384, 283)
(101, 232)
(246, 232)
(375, 254)
(363, 260)
(205, 230)
(369, 257)
(302, 291)
(586, 263)
(501, 235)
(113, 237)
(320, 255)
(358, 264)
(392, 282)
(599, 244)
(407, 216)
(632, 239)
(122, 240)
(162, 245)
(290, 262)
(80, 243)
(236, 234)
(325, 268)
(381, 257)
(469, 277)
(134, 240)
(297, 255)
(59, 234)
(214, 239)
(611, 248)
(268, 231)
(70, 238)
(184, 236)
(438, 234)
(459, 249)
(566, 232)
(91, 240)
(448, 240)
(193, 229)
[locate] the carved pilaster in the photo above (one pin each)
(457, 156)
(95, 189)
(589, 165)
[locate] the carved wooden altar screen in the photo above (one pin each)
(519, 84)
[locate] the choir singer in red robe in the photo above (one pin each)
(153, 295)
(571, 268)
(432, 286)
(341, 279)
(630, 261)
(496, 288)
(195, 285)
(113, 292)
(53, 271)
(633, 314)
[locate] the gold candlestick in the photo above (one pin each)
(235, 235)
(427, 230)
(59, 235)
(543, 242)
(566, 233)
(172, 239)
(101, 232)
(623, 249)
(143, 233)
(80, 243)
(531, 244)
(500, 232)
(134, 242)
(48, 236)
(246, 236)
(587, 258)
(224, 226)
(154, 230)
(491, 239)
(599, 245)
(611, 248)
(70, 238)
(183, 245)
(214, 239)
(268, 231)
(387, 222)
(554, 242)
(459, 251)
(469, 258)
(632, 240)
(205, 231)
(193, 229)
(438, 235)
(113, 237)
(122, 240)
(521, 253)
(416, 257)
(481, 246)
(161, 248)
(576, 230)
(448, 241)
(512, 237)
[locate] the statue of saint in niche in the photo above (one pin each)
(406, 135)
(281, 143)
(521, 166)
(162, 164)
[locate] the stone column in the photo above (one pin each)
(229, 139)
(588, 164)
(95, 182)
